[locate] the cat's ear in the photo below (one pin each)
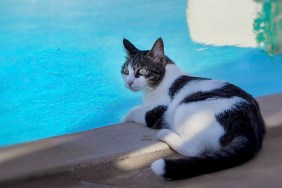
(157, 51)
(129, 47)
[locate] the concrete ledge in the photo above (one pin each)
(271, 109)
(103, 152)
(112, 144)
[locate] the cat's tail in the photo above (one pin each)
(238, 152)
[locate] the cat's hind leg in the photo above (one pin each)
(174, 141)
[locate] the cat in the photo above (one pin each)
(215, 125)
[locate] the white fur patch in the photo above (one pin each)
(158, 167)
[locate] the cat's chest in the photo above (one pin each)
(158, 97)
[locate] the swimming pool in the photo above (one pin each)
(60, 62)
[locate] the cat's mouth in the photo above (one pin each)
(135, 88)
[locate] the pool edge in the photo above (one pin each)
(123, 147)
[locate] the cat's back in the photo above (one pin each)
(224, 101)
(186, 87)
(220, 96)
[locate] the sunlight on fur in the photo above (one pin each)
(133, 161)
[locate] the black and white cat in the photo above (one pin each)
(213, 123)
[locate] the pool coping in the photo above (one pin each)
(123, 147)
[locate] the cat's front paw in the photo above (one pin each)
(163, 134)
(128, 117)
(136, 115)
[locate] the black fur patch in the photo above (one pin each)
(242, 120)
(179, 83)
(154, 117)
(226, 91)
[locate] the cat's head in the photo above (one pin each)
(144, 69)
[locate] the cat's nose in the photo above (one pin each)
(130, 83)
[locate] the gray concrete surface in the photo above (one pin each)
(263, 171)
(113, 144)
(119, 156)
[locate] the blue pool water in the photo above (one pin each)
(60, 62)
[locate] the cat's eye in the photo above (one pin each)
(125, 70)
(142, 71)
